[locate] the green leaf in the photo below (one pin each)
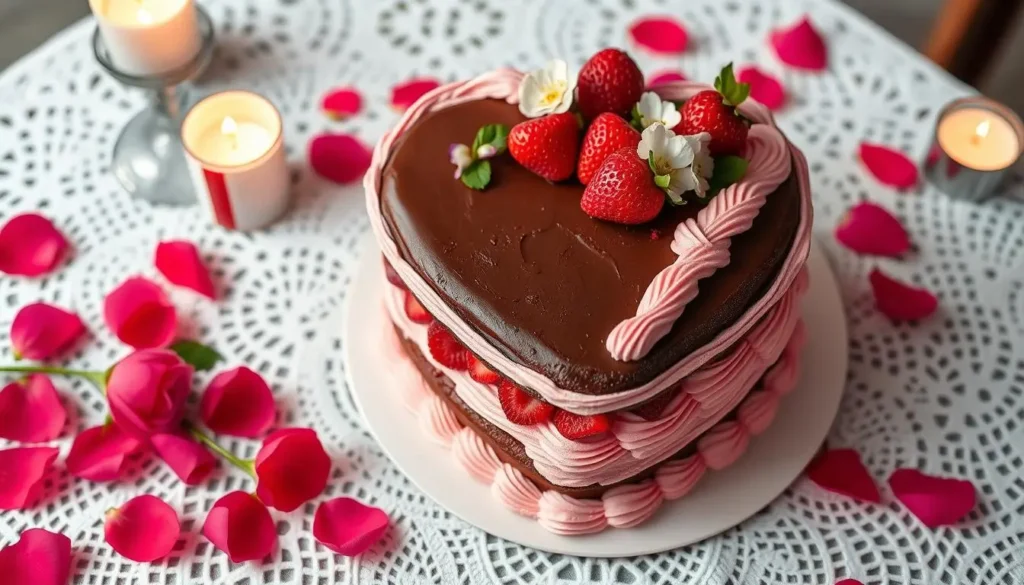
(494, 134)
(733, 92)
(728, 170)
(637, 121)
(199, 356)
(477, 175)
(662, 181)
(650, 162)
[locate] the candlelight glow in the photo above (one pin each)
(983, 129)
(144, 16)
(229, 126)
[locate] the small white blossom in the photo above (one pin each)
(547, 91)
(461, 157)
(653, 110)
(703, 166)
(672, 156)
(486, 151)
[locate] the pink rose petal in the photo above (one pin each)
(348, 527)
(189, 460)
(30, 410)
(140, 314)
(841, 471)
(339, 158)
(100, 453)
(40, 557)
(764, 87)
(143, 530)
(849, 582)
(180, 263)
(21, 472)
(664, 77)
(238, 402)
(30, 245)
(800, 46)
(899, 301)
(342, 102)
(40, 331)
(405, 94)
(890, 167)
(936, 501)
(662, 35)
(241, 526)
(868, 228)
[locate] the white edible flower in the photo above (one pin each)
(653, 110)
(670, 156)
(703, 166)
(461, 157)
(547, 91)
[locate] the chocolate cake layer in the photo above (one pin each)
(542, 281)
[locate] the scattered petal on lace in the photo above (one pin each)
(40, 331)
(30, 410)
(890, 167)
(140, 314)
(100, 453)
(21, 471)
(405, 94)
(189, 460)
(841, 471)
(342, 102)
(40, 557)
(30, 245)
(180, 263)
(936, 501)
(849, 582)
(800, 46)
(663, 77)
(662, 35)
(899, 301)
(241, 526)
(348, 527)
(339, 158)
(764, 87)
(144, 529)
(238, 402)
(292, 468)
(868, 228)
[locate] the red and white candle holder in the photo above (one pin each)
(234, 145)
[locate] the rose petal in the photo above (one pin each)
(292, 468)
(890, 167)
(899, 301)
(238, 402)
(849, 582)
(664, 77)
(30, 410)
(140, 314)
(40, 331)
(841, 471)
(406, 93)
(339, 157)
(143, 530)
(180, 264)
(936, 501)
(934, 153)
(189, 460)
(100, 453)
(341, 103)
(30, 245)
(241, 526)
(764, 87)
(348, 527)
(21, 471)
(800, 46)
(868, 228)
(662, 35)
(40, 557)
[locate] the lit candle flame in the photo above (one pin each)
(229, 128)
(983, 129)
(144, 16)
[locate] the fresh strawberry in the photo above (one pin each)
(609, 82)
(623, 190)
(714, 112)
(445, 348)
(521, 408)
(578, 426)
(389, 272)
(415, 311)
(480, 372)
(546, 146)
(606, 134)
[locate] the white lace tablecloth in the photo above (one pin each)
(945, 396)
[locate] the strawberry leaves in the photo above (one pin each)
(733, 92)
(490, 141)
(728, 170)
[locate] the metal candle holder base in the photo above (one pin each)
(148, 159)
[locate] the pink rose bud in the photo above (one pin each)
(147, 391)
(40, 331)
(291, 468)
(241, 526)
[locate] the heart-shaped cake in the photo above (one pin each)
(596, 317)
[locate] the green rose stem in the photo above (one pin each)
(245, 465)
(97, 378)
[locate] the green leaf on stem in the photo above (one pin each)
(199, 356)
(494, 134)
(733, 92)
(477, 175)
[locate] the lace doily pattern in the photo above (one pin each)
(944, 396)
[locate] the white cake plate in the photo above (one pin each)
(720, 501)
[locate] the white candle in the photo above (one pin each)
(235, 149)
(979, 139)
(148, 37)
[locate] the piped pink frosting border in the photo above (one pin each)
(503, 84)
